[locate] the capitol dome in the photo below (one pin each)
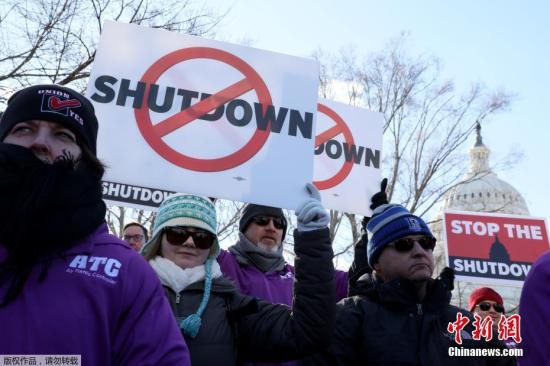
(481, 190)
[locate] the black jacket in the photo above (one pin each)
(387, 325)
(237, 327)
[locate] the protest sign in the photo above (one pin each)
(186, 114)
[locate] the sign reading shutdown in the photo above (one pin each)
(186, 114)
(493, 248)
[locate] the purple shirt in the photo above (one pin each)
(103, 302)
(534, 309)
(275, 287)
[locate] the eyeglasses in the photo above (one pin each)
(485, 306)
(179, 235)
(263, 220)
(137, 237)
(406, 244)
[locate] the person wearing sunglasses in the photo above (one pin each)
(68, 287)
(486, 302)
(256, 262)
(221, 325)
(402, 317)
(135, 234)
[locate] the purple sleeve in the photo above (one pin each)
(535, 316)
(147, 333)
(341, 282)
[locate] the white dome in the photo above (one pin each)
(481, 190)
(487, 193)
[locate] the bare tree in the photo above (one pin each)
(55, 41)
(427, 120)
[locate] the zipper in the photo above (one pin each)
(178, 298)
(419, 309)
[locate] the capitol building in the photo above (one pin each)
(481, 190)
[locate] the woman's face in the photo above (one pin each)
(47, 140)
(487, 308)
(181, 250)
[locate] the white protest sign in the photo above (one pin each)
(186, 114)
(348, 154)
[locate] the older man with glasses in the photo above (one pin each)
(402, 314)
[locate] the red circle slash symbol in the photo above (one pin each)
(339, 128)
(153, 134)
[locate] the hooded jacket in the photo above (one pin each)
(387, 325)
(101, 301)
(237, 327)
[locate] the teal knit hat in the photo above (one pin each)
(191, 211)
(185, 210)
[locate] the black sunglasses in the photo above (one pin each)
(406, 244)
(178, 236)
(263, 220)
(485, 306)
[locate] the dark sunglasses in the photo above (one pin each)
(178, 236)
(263, 220)
(406, 244)
(485, 306)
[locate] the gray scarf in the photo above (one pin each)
(247, 253)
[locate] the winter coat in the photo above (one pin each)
(389, 326)
(240, 327)
(534, 309)
(102, 301)
(274, 287)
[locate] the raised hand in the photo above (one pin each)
(311, 215)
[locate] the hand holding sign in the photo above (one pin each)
(311, 215)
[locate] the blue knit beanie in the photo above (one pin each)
(388, 223)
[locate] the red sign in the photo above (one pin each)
(494, 246)
(339, 128)
(153, 134)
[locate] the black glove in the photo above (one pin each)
(379, 199)
(360, 263)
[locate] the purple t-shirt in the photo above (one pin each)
(103, 302)
(275, 287)
(534, 309)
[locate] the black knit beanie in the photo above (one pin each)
(252, 210)
(53, 103)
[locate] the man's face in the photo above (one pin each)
(47, 140)
(134, 236)
(262, 231)
(416, 264)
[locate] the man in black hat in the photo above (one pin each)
(68, 287)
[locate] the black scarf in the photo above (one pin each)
(44, 210)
